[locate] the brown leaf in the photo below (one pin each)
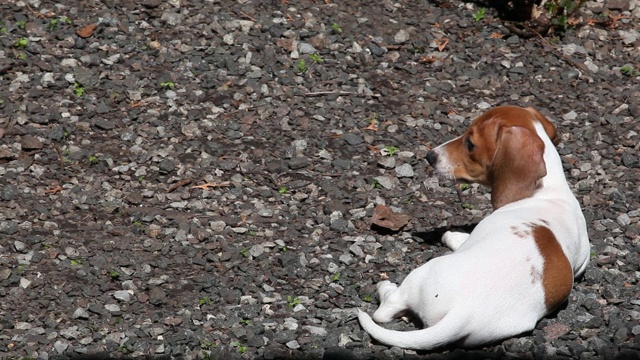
(87, 31)
(441, 43)
(384, 217)
(429, 59)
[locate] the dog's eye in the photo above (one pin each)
(469, 144)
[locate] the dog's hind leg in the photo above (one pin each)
(391, 303)
(454, 239)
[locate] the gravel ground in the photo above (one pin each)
(195, 179)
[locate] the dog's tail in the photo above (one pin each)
(448, 330)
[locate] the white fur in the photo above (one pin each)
(483, 291)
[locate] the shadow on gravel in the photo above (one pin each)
(338, 353)
(433, 236)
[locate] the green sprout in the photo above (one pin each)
(21, 24)
(282, 190)
(391, 150)
(208, 344)
(561, 22)
(301, 66)
(464, 187)
(78, 89)
(376, 184)
(3, 29)
(241, 349)
(21, 268)
(336, 28)
(468, 206)
(168, 84)
(292, 301)
(93, 159)
(22, 56)
(114, 274)
(53, 24)
(244, 251)
(75, 262)
(479, 15)
(205, 301)
(21, 43)
(367, 298)
(335, 277)
(629, 70)
(316, 58)
(65, 20)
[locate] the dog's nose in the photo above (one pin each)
(432, 157)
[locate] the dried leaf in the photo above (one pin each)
(384, 217)
(496, 35)
(441, 43)
(429, 59)
(87, 31)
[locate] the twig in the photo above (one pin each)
(211, 185)
(180, 183)
(60, 157)
(248, 16)
(40, 15)
(320, 93)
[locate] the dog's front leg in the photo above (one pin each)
(454, 239)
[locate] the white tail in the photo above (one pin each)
(448, 330)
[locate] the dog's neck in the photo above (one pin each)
(555, 182)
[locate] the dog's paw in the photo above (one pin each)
(454, 239)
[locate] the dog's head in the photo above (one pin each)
(501, 150)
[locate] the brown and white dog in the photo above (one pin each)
(518, 264)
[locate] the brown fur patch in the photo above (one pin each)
(557, 276)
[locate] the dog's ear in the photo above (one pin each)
(549, 128)
(517, 166)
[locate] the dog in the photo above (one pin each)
(518, 264)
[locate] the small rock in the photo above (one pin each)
(19, 245)
(217, 225)
(401, 37)
(30, 143)
(80, 313)
(315, 330)
(623, 219)
(298, 163)
(5, 273)
(61, 346)
(166, 166)
(21, 325)
(384, 181)
(352, 139)
(387, 162)
(404, 170)
(104, 124)
(112, 307)
(555, 330)
(293, 344)
(122, 295)
(306, 48)
(24, 283)
(157, 296)
(9, 192)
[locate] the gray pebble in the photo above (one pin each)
(404, 170)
